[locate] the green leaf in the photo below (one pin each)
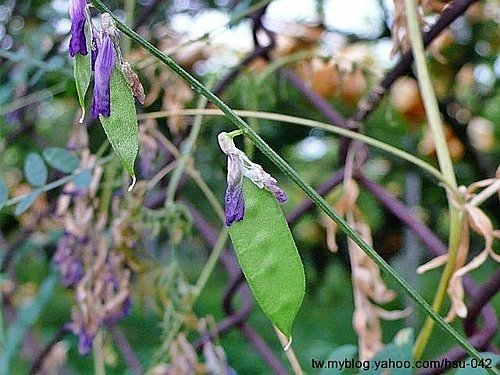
(4, 193)
(339, 355)
(26, 317)
(35, 170)
(82, 75)
(83, 179)
(475, 367)
(27, 201)
(121, 126)
(61, 159)
(269, 258)
(400, 349)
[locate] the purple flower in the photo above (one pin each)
(67, 259)
(240, 165)
(86, 332)
(120, 312)
(234, 203)
(85, 342)
(77, 42)
(104, 64)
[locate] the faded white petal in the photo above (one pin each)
(433, 263)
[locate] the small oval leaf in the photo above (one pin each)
(269, 258)
(4, 193)
(121, 126)
(35, 170)
(82, 75)
(27, 201)
(83, 179)
(61, 159)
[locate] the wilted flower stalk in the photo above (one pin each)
(97, 271)
(368, 287)
(475, 219)
(239, 165)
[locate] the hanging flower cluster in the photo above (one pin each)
(369, 288)
(105, 56)
(239, 165)
(87, 262)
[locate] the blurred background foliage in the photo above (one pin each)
(38, 108)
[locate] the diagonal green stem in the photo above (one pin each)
(445, 164)
(309, 123)
(186, 151)
(290, 172)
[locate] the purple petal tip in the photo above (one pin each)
(104, 64)
(77, 42)
(235, 205)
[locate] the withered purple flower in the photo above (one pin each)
(77, 42)
(67, 260)
(240, 165)
(86, 332)
(104, 64)
(119, 312)
(234, 204)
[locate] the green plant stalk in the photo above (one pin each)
(107, 191)
(309, 123)
(439, 298)
(33, 98)
(128, 7)
(289, 171)
(195, 175)
(186, 150)
(251, 102)
(445, 164)
(205, 274)
(210, 264)
(98, 354)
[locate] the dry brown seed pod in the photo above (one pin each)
(134, 83)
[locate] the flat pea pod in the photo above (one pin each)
(269, 258)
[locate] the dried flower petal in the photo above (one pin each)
(134, 83)
(433, 263)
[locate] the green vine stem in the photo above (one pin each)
(128, 7)
(186, 149)
(98, 354)
(304, 122)
(445, 164)
(194, 294)
(290, 172)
